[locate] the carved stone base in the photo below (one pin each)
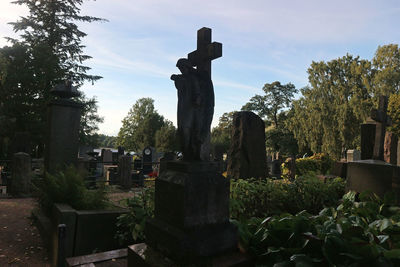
(191, 213)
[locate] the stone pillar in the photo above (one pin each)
(21, 174)
(353, 155)
(125, 171)
(247, 155)
(390, 148)
(62, 145)
(367, 140)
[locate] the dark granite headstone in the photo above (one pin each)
(125, 171)
(276, 169)
(367, 140)
(147, 160)
(382, 120)
(62, 143)
(247, 156)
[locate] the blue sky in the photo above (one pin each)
(263, 41)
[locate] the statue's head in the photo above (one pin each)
(184, 65)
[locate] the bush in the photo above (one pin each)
(68, 187)
(261, 198)
(318, 163)
(131, 225)
(354, 233)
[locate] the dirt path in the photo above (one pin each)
(20, 243)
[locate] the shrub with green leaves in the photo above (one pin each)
(318, 163)
(365, 233)
(68, 187)
(265, 197)
(131, 225)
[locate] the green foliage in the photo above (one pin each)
(394, 113)
(386, 63)
(48, 52)
(89, 122)
(362, 233)
(139, 127)
(68, 187)
(221, 134)
(131, 225)
(261, 198)
(338, 98)
(319, 163)
(166, 138)
(107, 141)
(277, 97)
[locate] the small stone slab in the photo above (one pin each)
(98, 257)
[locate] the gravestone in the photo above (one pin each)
(382, 120)
(276, 171)
(125, 171)
(64, 115)
(21, 174)
(147, 160)
(375, 174)
(353, 155)
(191, 218)
(247, 156)
(390, 148)
(367, 140)
(106, 156)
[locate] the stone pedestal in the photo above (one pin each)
(125, 171)
(21, 174)
(191, 213)
(62, 143)
(373, 175)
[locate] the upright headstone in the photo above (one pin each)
(247, 154)
(382, 120)
(106, 156)
(353, 155)
(390, 148)
(64, 116)
(276, 171)
(191, 219)
(125, 171)
(21, 174)
(367, 140)
(147, 160)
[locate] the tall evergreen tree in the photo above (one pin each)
(49, 52)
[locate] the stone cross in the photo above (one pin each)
(206, 51)
(382, 120)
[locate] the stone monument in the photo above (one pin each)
(191, 223)
(64, 114)
(374, 174)
(247, 154)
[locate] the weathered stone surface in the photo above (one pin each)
(106, 156)
(340, 169)
(367, 140)
(62, 143)
(191, 212)
(353, 155)
(390, 148)
(21, 174)
(374, 175)
(125, 172)
(247, 157)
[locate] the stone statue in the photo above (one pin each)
(195, 110)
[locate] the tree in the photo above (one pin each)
(140, 125)
(221, 134)
(277, 97)
(89, 122)
(166, 138)
(48, 52)
(394, 113)
(338, 100)
(107, 141)
(386, 63)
